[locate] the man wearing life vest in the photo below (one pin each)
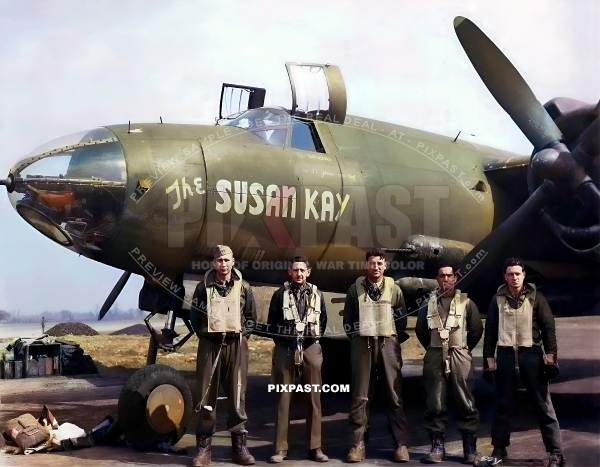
(519, 328)
(297, 319)
(223, 314)
(375, 322)
(449, 327)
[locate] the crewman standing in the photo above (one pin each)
(297, 319)
(449, 327)
(375, 322)
(519, 328)
(223, 315)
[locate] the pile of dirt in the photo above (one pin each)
(135, 330)
(75, 329)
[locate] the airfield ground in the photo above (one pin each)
(86, 400)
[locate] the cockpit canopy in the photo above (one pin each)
(277, 127)
(318, 93)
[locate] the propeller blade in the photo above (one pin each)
(114, 294)
(489, 248)
(506, 85)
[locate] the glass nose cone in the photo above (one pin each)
(73, 189)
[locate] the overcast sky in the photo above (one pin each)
(73, 65)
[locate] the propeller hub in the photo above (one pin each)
(558, 165)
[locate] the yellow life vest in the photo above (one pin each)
(515, 326)
(375, 318)
(224, 313)
(454, 332)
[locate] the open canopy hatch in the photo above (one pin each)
(318, 93)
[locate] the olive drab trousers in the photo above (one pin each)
(531, 369)
(367, 355)
(227, 375)
(283, 372)
(436, 388)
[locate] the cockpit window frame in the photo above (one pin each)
(319, 147)
(36, 157)
(288, 126)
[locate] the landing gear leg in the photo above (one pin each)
(152, 351)
(164, 340)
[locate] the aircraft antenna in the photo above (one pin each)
(160, 119)
(129, 127)
(454, 140)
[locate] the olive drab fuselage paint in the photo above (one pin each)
(268, 201)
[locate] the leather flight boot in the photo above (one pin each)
(436, 451)
(469, 440)
(202, 458)
(556, 459)
(356, 453)
(239, 450)
(278, 457)
(401, 454)
(317, 455)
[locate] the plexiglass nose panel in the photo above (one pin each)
(73, 189)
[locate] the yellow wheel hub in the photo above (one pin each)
(165, 408)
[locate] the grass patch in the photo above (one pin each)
(116, 354)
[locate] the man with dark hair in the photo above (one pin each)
(449, 327)
(519, 328)
(223, 314)
(375, 322)
(297, 319)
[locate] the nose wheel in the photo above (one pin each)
(155, 408)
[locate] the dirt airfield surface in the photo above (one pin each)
(86, 400)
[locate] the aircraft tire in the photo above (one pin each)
(155, 406)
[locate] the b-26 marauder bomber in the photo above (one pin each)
(154, 198)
